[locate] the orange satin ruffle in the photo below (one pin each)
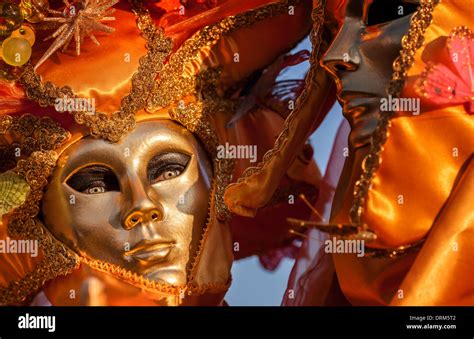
(439, 274)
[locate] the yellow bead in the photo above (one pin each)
(25, 32)
(16, 51)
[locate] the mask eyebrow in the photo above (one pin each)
(94, 169)
(170, 157)
(89, 170)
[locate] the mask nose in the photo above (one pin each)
(142, 209)
(142, 216)
(343, 53)
(340, 59)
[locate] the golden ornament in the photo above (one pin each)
(77, 20)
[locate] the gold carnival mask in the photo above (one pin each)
(140, 204)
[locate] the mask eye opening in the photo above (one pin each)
(167, 166)
(94, 179)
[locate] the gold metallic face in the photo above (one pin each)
(141, 204)
(361, 58)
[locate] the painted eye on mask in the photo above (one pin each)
(94, 180)
(167, 166)
(383, 11)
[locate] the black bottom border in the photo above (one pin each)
(168, 322)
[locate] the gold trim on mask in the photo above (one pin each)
(152, 286)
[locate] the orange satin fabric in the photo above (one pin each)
(71, 290)
(420, 162)
(423, 188)
(442, 273)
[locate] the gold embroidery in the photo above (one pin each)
(224, 168)
(28, 134)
